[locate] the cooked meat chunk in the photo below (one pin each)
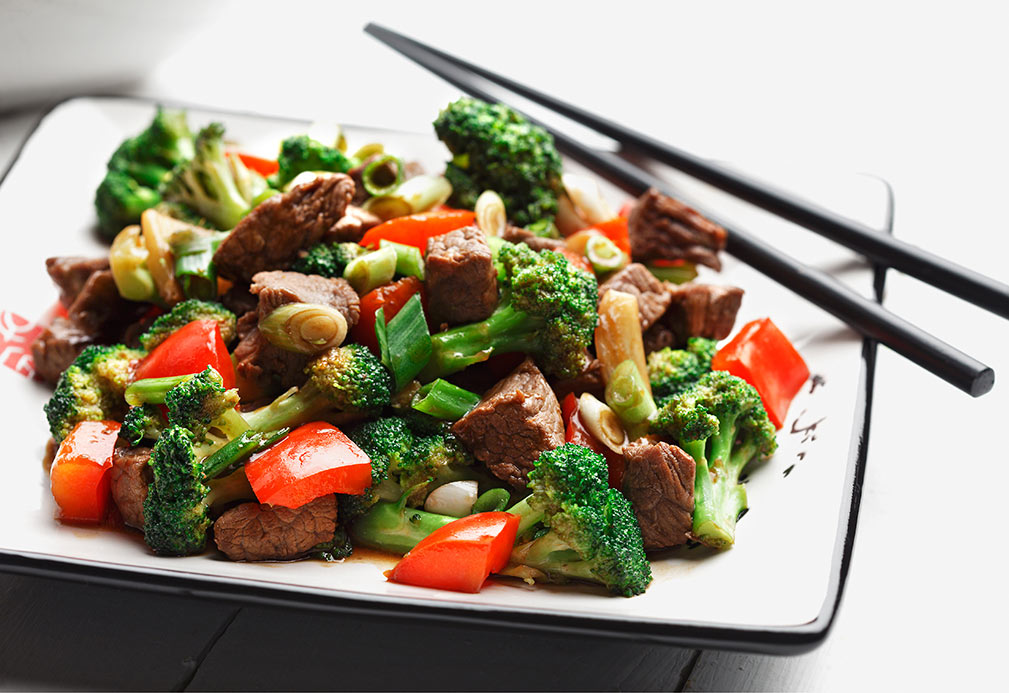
(515, 234)
(273, 233)
(662, 228)
(276, 288)
(653, 296)
(515, 421)
(57, 346)
(99, 309)
(246, 323)
(268, 369)
(254, 532)
(239, 300)
(71, 274)
(659, 481)
(131, 474)
(353, 225)
(658, 336)
(590, 380)
(461, 280)
(702, 310)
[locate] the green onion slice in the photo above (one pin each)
(443, 400)
(405, 343)
(383, 175)
(409, 261)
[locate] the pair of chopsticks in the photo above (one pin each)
(863, 315)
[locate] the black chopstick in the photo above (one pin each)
(884, 249)
(865, 316)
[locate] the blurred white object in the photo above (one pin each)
(50, 49)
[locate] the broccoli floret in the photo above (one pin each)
(302, 153)
(432, 460)
(119, 202)
(673, 370)
(91, 389)
(184, 313)
(138, 167)
(179, 500)
(548, 310)
(143, 422)
(494, 148)
(346, 378)
(593, 532)
(721, 422)
(328, 259)
(214, 185)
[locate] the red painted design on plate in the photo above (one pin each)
(16, 337)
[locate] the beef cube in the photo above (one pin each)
(653, 296)
(662, 228)
(702, 310)
(239, 300)
(659, 482)
(254, 532)
(131, 475)
(71, 274)
(265, 370)
(276, 288)
(271, 235)
(516, 420)
(100, 311)
(56, 348)
(461, 280)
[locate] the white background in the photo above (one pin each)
(912, 92)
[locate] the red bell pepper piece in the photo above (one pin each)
(313, 460)
(190, 349)
(579, 261)
(80, 475)
(616, 230)
(575, 432)
(762, 356)
(415, 229)
(391, 298)
(264, 167)
(461, 555)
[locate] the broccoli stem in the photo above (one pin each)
(391, 526)
(506, 330)
(290, 409)
(152, 390)
(554, 557)
(718, 495)
(238, 448)
(529, 516)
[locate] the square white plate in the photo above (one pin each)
(777, 590)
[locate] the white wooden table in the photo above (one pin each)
(913, 95)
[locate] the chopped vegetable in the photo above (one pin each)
(390, 299)
(409, 260)
(305, 328)
(455, 498)
(490, 213)
(621, 351)
(675, 271)
(80, 472)
(128, 262)
(383, 175)
(615, 229)
(404, 343)
(190, 349)
(761, 355)
(587, 198)
(604, 255)
(193, 249)
(313, 460)
(372, 270)
(443, 400)
(576, 411)
(302, 153)
(416, 229)
(186, 312)
(264, 167)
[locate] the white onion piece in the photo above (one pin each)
(568, 220)
(587, 198)
(454, 499)
(601, 422)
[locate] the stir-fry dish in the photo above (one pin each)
(486, 370)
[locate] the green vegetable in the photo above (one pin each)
(394, 527)
(592, 532)
(677, 274)
(491, 500)
(383, 175)
(627, 395)
(372, 270)
(494, 148)
(721, 423)
(405, 342)
(136, 169)
(409, 261)
(304, 328)
(92, 388)
(186, 312)
(604, 255)
(194, 262)
(548, 309)
(671, 371)
(443, 400)
(301, 153)
(216, 186)
(346, 378)
(142, 422)
(328, 259)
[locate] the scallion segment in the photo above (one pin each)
(372, 270)
(194, 263)
(409, 261)
(677, 274)
(383, 175)
(443, 400)
(405, 343)
(627, 395)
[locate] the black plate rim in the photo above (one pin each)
(777, 640)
